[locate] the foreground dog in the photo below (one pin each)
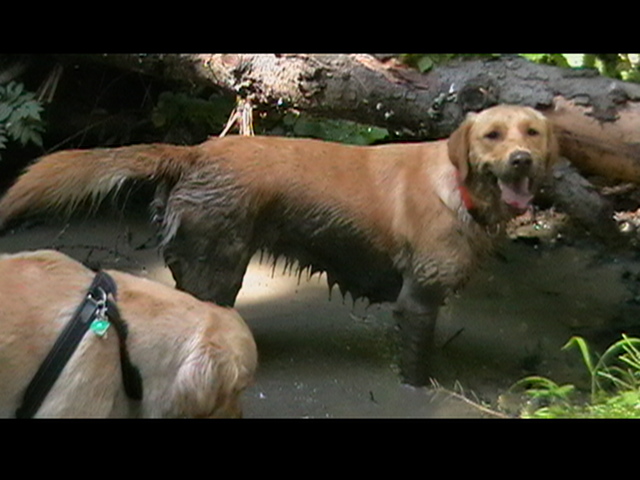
(194, 358)
(403, 223)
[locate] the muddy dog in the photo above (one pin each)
(192, 358)
(403, 223)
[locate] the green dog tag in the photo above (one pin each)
(100, 327)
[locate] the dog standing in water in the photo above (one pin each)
(403, 223)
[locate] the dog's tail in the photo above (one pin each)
(63, 180)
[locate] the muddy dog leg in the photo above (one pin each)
(206, 234)
(207, 249)
(208, 264)
(415, 313)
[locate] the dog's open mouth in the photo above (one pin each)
(516, 193)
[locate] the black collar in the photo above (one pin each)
(97, 306)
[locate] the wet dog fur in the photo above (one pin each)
(195, 358)
(404, 223)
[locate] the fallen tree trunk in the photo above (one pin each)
(597, 117)
(572, 193)
(609, 147)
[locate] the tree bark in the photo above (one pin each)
(596, 116)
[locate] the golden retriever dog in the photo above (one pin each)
(193, 358)
(403, 223)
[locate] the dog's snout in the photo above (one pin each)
(520, 159)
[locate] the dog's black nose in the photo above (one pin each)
(520, 159)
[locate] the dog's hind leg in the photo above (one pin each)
(205, 275)
(206, 231)
(207, 264)
(416, 312)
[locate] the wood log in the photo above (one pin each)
(597, 117)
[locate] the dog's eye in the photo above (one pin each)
(532, 132)
(492, 135)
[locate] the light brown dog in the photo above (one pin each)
(194, 358)
(403, 223)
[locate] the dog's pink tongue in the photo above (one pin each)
(516, 194)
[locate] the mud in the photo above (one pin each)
(322, 356)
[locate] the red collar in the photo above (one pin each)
(464, 192)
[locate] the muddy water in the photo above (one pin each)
(324, 357)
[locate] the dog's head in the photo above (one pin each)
(507, 149)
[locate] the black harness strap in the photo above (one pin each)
(93, 306)
(130, 374)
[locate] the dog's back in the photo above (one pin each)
(195, 358)
(39, 293)
(208, 353)
(349, 211)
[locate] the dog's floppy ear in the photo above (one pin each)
(458, 145)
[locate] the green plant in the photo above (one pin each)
(181, 109)
(342, 131)
(617, 367)
(545, 390)
(541, 394)
(624, 66)
(615, 384)
(20, 118)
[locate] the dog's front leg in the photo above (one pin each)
(416, 312)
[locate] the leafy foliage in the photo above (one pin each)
(183, 110)
(623, 66)
(615, 385)
(618, 367)
(341, 131)
(210, 115)
(20, 118)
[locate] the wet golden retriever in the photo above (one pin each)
(194, 358)
(403, 223)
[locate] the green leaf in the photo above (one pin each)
(335, 130)
(20, 118)
(584, 350)
(31, 136)
(5, 111)
(575, 60)
(425, 63)
(534, 57)
(557, 59)
(13, 91)
(30, 109)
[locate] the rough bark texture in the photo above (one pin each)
(596, 116)
(572, 193)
